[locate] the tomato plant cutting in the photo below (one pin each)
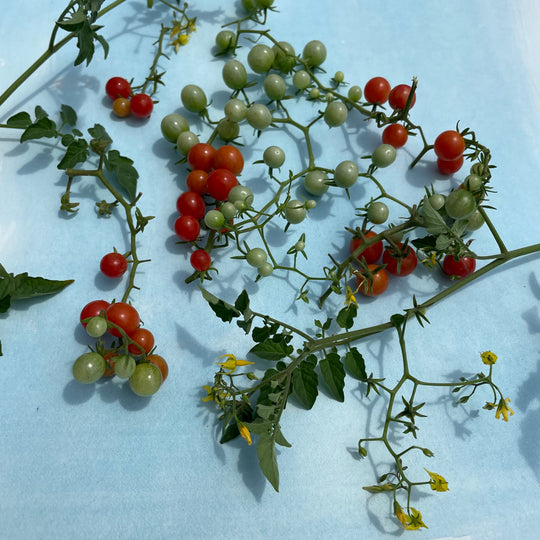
(272, 246)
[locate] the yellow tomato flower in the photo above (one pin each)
(437, 483)
(210, 392)
(244, 432)
(400, 514)
(232, 362)
(349, 296)
(503, 409)
(414, 521)
(488, 358)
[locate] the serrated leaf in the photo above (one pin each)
(40, 112)
(99, 132)
(242, 302)
(85, 43)
(333, 374)
(25, 286)
(123, 168)
(266, 411)
(68, 115)
(104, 44)
(76, 152)
(19, 120)
(459, 227)
(305, 383)
(223, 311)
(260, 333)
(433, 221)
(42, 128)
(355, 364)
(5, 303)
(346, 316)
(443, 242)
(272, 350)
(280, 439)
(266, 452)
(74, 23)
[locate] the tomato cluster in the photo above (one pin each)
(132, 357)
(213, 196)
(125, 102)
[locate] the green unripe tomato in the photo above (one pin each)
(256, 257)
(346, 174)
(339, 77)
(460, 204)
(479, 169)
(234, 74)
(260, 58)
(295, 211)
(314, 93)
(96, 327)
(228, 209)
(227, 129)
(146, 379)
(314, 53)
(377, 212)
(301, 79)
(259, 116)
(214, 219)
(475, 221)
(383, 156)
(89, 368)
(355, 93)
(172, 125)
(473, 182)
(124, 366)
(225, 40)
(241, 193)
(185, 141)
(193, 98)
(311, 204)
(275, 87)
(261, 4)
(285, 58)
(265, 269)
(315, 182)
(249, 5)
(437, 201)
(274, 157)
(235, 110)
(335, 113)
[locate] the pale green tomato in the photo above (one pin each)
(355, 93)
(275, 87)
(172, 125)
(259, 116)
(96, 327)
(311, 204)
(315, 182)
(256, 257)
(89, 368)
(383, 156)
(235, 110)
(346, 174)
(241, 193)
(228, 209)
(234, 74)
(473, 182)
(314, 53)
(295, 211)
(301, 79)
(475, 221)
(460, 204)
(228, 130)
(274, 157)
(124, 366)
(335, 113)
(146, 379)
(265, 269)
(260, 58)
(185, 141)
(214, 219)
(339, 77)
(225, 40)
(437, 201)
(377, 212)
(193, 98)
(285, 58)
(314, 93)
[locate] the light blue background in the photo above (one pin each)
(97, 462)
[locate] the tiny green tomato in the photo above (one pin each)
(383, 156)
(234, 74)
(96, 327)
(314, 53)
(295, 211)
(214, 219)
(89, 367)
(193, 98)
(301, 79)
(335, 113)
(275, 87)
(124, 366)
(274, 157)
(259, 116)
(185, 141)
(172, 125)
(256, 257)
(377, 212)
(355, 93)
(225, 40)
(315, 182)
(235, 110)
(146, 379)
(346, 174)
(260, 58)
(265, 269)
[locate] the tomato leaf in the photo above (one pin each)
(123, 168)
(305, 382)
(355, 364)
(98, 132)
(19, 120)
(68, 115)
(346, 316)
(280, 438)
(25, 286)
(44, 127)
(273, 349)
(266, 452)
(76, 152)
(242, 303)
(433, 221)
(334, 375)
(74, 23)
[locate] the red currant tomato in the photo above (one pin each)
(110, 359)
(113, 265)
(117, 87)
(372, 253)
(399, 262)
(449, 167)
(144, 339)
(196, 181)
(395, 135)
(399, 95)
(123, 315)
(219, 183)
(460, 268)
(160, 362)
(377, 90)
(200, 260)
(93, 309)
(187, 228)
(228, 157)
(141, 105)
(449, 145)
(375, 285)
(191, 204)
(200, 156)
